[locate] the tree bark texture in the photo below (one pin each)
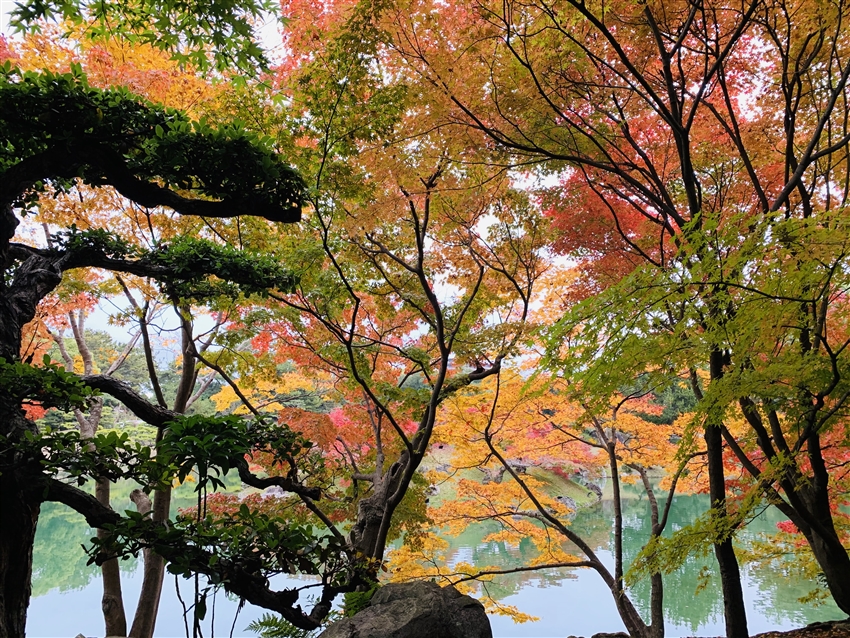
(19, 509)
(144, 621)
(112, 602)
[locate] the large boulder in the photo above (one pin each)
(415, 610)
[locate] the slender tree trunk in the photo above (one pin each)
(656, 606)
(19, 510)
(629, 615)
(734, 609)
(618, 510)
(112, 602)
(144, 621)
(635, 625)
(656, 595)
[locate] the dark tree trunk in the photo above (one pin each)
(835, 564)
(734, 610)
(629, 615)
(813, 517)
(656, 606)
(19, 511)
(819, 528)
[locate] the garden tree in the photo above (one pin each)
(139, 67)
(416, 270)
(189, 387)
(160, 158)
(526, 435)
(692, 140)
(92, 208)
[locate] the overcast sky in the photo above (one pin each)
(5, 8)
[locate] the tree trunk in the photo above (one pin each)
(629, 615)
(656, 606)
(112, 602)
(144, 621)
(822, 538)
(734, 610)
(19, 511)
(835, 563)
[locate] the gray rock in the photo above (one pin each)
(415, 610)
(566, 500)
(618, 634)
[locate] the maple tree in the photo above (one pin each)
(695, 142)
(532, 441)
(490, 270)
(700, 159)
(218, 34)
(416, 272)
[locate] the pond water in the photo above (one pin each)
(66, 592)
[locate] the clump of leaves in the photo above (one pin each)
(109, 455)
(48, 385)
(210, 444)
(356, 601)
(190, 262)
(95, 240)
(205, 34)
(115, 137)
(270, 626)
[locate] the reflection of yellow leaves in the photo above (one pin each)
(492, 606)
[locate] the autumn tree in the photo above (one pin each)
(532, 440)
(691, 141)
(416, 269)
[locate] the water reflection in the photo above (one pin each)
(67, 592)
(577, 602)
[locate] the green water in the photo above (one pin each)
(66, 592)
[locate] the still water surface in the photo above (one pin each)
(66, 592)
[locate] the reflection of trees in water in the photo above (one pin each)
(786, 581)
(470, 547)
(683, 604)
(59, 561)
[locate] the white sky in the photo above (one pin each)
(5, 7)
